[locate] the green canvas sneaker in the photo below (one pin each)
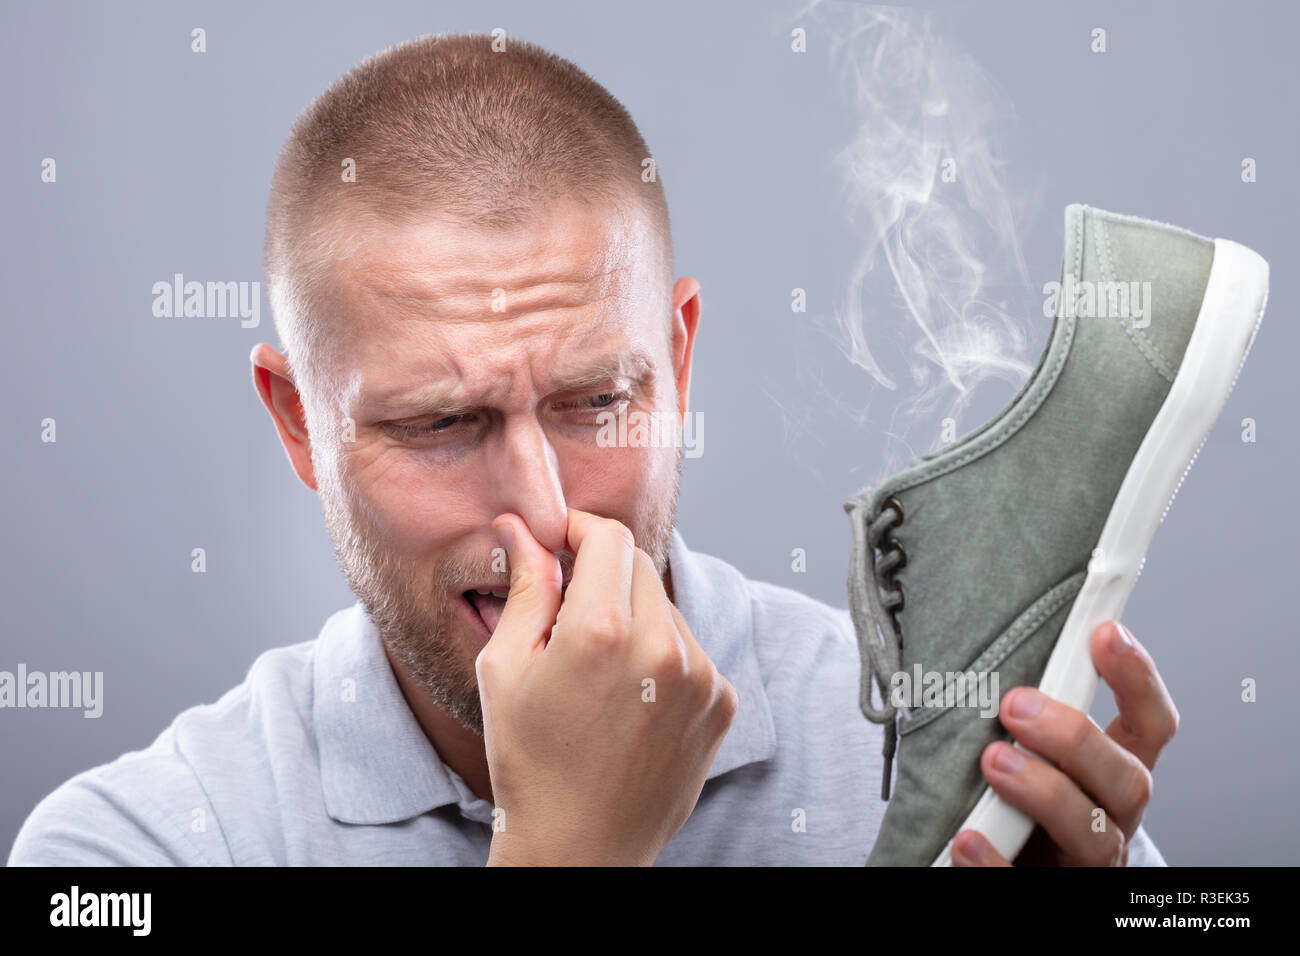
(990, 564)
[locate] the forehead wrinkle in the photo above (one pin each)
(407, 275)
(472, 296)
(430, 272)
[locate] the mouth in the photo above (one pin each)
(486, 606)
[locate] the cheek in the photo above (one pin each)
(414, 508)
(626, 481)
(617, 482)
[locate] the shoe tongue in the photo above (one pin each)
(489, 608)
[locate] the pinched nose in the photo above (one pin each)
(529, 484)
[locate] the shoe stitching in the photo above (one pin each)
(1021, 629)
(1034, 398)
(1105, 256)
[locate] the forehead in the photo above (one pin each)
(437, 268)
(437, 299)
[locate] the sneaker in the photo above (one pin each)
(1002, 554)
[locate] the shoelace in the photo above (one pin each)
(873, 615)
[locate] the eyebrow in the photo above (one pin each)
(445, 398)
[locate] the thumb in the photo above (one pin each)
(535, 578)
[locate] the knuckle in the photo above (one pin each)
(668, 660)
(485, 665)
(607, 627)
(1140, 786)
(616, 528)
(727, 701)
(1171, 722)
(523, 580)
(643, 564)
(600, 642)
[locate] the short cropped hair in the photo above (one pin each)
(444, 125)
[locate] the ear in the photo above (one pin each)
(686, 320)
(280, 396)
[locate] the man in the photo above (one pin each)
(470, 266)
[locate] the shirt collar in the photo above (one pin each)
(377, 765)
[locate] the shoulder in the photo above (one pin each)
(124, 813)
(153, 807)
(275, 693)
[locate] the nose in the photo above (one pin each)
(530, 482)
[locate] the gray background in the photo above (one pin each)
(164, 159)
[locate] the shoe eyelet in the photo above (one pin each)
(893, 502)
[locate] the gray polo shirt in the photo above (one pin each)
(315, 759)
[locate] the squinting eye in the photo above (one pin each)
(426, 429)
(592, 403)
(441, 424)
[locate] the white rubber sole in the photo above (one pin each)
(1231, 311)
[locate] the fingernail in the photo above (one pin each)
(1026, 703)
(1007, 759)
(972, 848)
(506, 535)
(1121, 642)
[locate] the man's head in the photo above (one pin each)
(466, 268)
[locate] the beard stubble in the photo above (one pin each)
(412, 609)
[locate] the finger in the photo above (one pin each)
(695, 655)
(649, 601)
(1072, 820)
(654, 629)
(972, 848)
(1113, 777)
(1147, 718)
(682, 628)
(534, 596)
(599, 597)
(726, 699)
